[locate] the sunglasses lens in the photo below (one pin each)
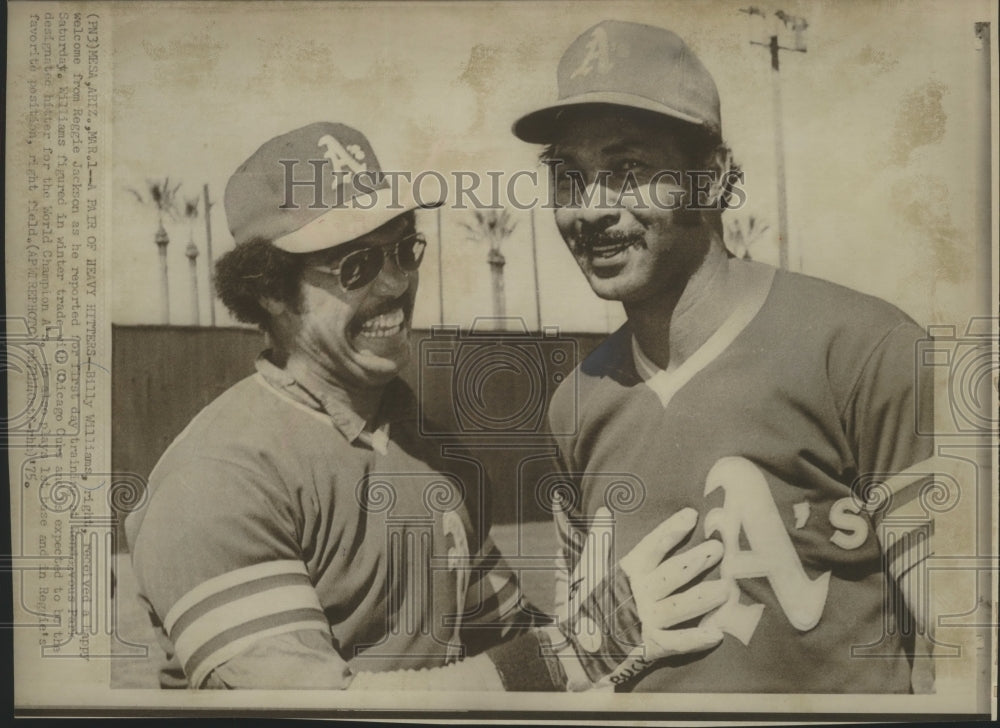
(360, 268)
(410, 252)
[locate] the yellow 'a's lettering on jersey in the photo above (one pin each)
(852, 527)
(749, 508)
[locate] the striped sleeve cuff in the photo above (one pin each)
(223, 616)
(906, 527)
(900, 494)
(905, 550)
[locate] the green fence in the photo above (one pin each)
(163, 375)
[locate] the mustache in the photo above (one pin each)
(589, 239)
(404, 302)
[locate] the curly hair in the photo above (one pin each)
(255, 270)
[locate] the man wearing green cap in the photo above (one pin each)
(302, 533)
(763, 399)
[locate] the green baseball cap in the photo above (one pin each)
(314, 188)
(634, 65)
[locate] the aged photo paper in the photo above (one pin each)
(866, 143)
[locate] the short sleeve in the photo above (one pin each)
(887, 425)
(887, 399)
(563, 424)
(217, 557)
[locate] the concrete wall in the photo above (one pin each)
(163, 375)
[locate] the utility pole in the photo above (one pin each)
(798, 26)
(534, 260)
(779, 156)
(440, 270)
(208, 254)
(985, 206)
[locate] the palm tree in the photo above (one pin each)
(163, 198)
(191, 213)
(742, 233)
(493, 226)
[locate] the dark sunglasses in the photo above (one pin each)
(360, 267)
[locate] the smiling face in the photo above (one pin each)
(620, 189)
(356, 338)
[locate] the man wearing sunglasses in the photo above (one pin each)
(302, 533)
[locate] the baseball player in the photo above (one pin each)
(301, 533)
(763, 399)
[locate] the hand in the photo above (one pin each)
(624, 618)
(655, 583)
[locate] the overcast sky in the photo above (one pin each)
(882, 144)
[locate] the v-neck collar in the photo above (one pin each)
(665, 384)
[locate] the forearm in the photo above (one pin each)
(613, 634)
(306, 660)
(524, 664)
(301, 660)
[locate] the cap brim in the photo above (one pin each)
(364, 214)
(541, 126)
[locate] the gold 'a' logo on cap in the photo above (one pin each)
(349, 160)
(596, 54)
